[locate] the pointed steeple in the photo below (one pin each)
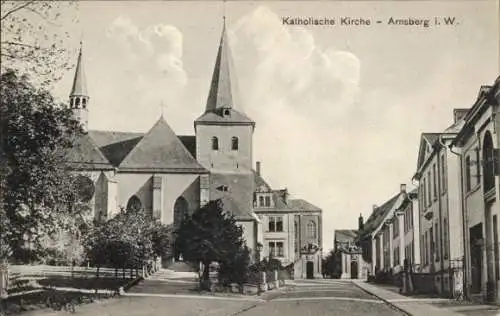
(221, 87)
(78, 97)
(79, 82)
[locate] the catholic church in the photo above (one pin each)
(168, 175)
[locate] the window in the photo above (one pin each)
(478, 166)
(215, 143)
(467, 173)
(395, 226)
(134, 204)
(267, 201)
(488, 163)
(276, 249)
(234, 143)
(84, 102)
(423, 190)
(411, 216)
(437, 241)
(429, 188)
(311, 230)
(444, 179)
(261, 200)
(434, 184)
(71, 103)
(275, 223)
(445, 239)
(77, 102)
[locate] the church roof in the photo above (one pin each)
(240, 188)
(223, 93)
(115, 145)
(79, 82)
(160, 150)
(85, 155)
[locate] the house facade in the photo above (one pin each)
(477, 146)
(348, 253)
(291, 228)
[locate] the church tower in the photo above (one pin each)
(79, 98)
(224, 133)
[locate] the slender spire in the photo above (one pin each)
(79, 82)
(221, 93)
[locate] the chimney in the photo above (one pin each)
(360, 223)
(257, 168)
(459, 114)
(403, 188)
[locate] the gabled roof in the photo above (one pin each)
(160, 150)
(79, 87)
(302, 205)
(346, 234)
(115, 145)
(426, 140)
(239, 194)
(378, 215)
(85, 155)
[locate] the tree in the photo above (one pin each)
(32, 40)
(211, 235)
(38, 192)
(129, 240)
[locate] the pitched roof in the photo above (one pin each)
(79, 81)
(189, 142)
(86, 155)
(240, 188)
(115, 145)
(346, 234)
(378, 215)
(160, 150)
(302, 205)
(216, 117)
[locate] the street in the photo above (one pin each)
(304, 297)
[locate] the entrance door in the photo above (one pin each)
(310, 270)
(354, 269)
(476, 254)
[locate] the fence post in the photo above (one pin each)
(276, 281)
(4, 280)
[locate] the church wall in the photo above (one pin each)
(138, 184)
(224, 159)
(192, 195)
(174, 186)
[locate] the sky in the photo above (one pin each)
(339, 109)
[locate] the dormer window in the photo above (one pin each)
(264, 200)
(234, 143)
(215, 143)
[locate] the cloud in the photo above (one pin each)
(155, 53)
(299, 94)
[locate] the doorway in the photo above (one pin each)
(476, 254)
(310, 270)
(354, 269)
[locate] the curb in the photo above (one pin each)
(126, 287)
(390, 304)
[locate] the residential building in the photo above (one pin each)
(385, 238)
(291, 228)
(348, 253)
(477, 146)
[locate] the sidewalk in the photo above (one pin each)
(425, 306)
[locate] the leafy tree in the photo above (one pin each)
(331, 263)
(211, 235)
(38, 192)
(32, 37)
(129, 239)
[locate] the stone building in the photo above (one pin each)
(168, 175)
(439, 199)
(477, 145)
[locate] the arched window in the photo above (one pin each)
(71, 103)
(215, 143)
(311, 230)
(488, 163)
(234, 143)
(180, 211)
(134, 204)
(77, 103)
(84, 103)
